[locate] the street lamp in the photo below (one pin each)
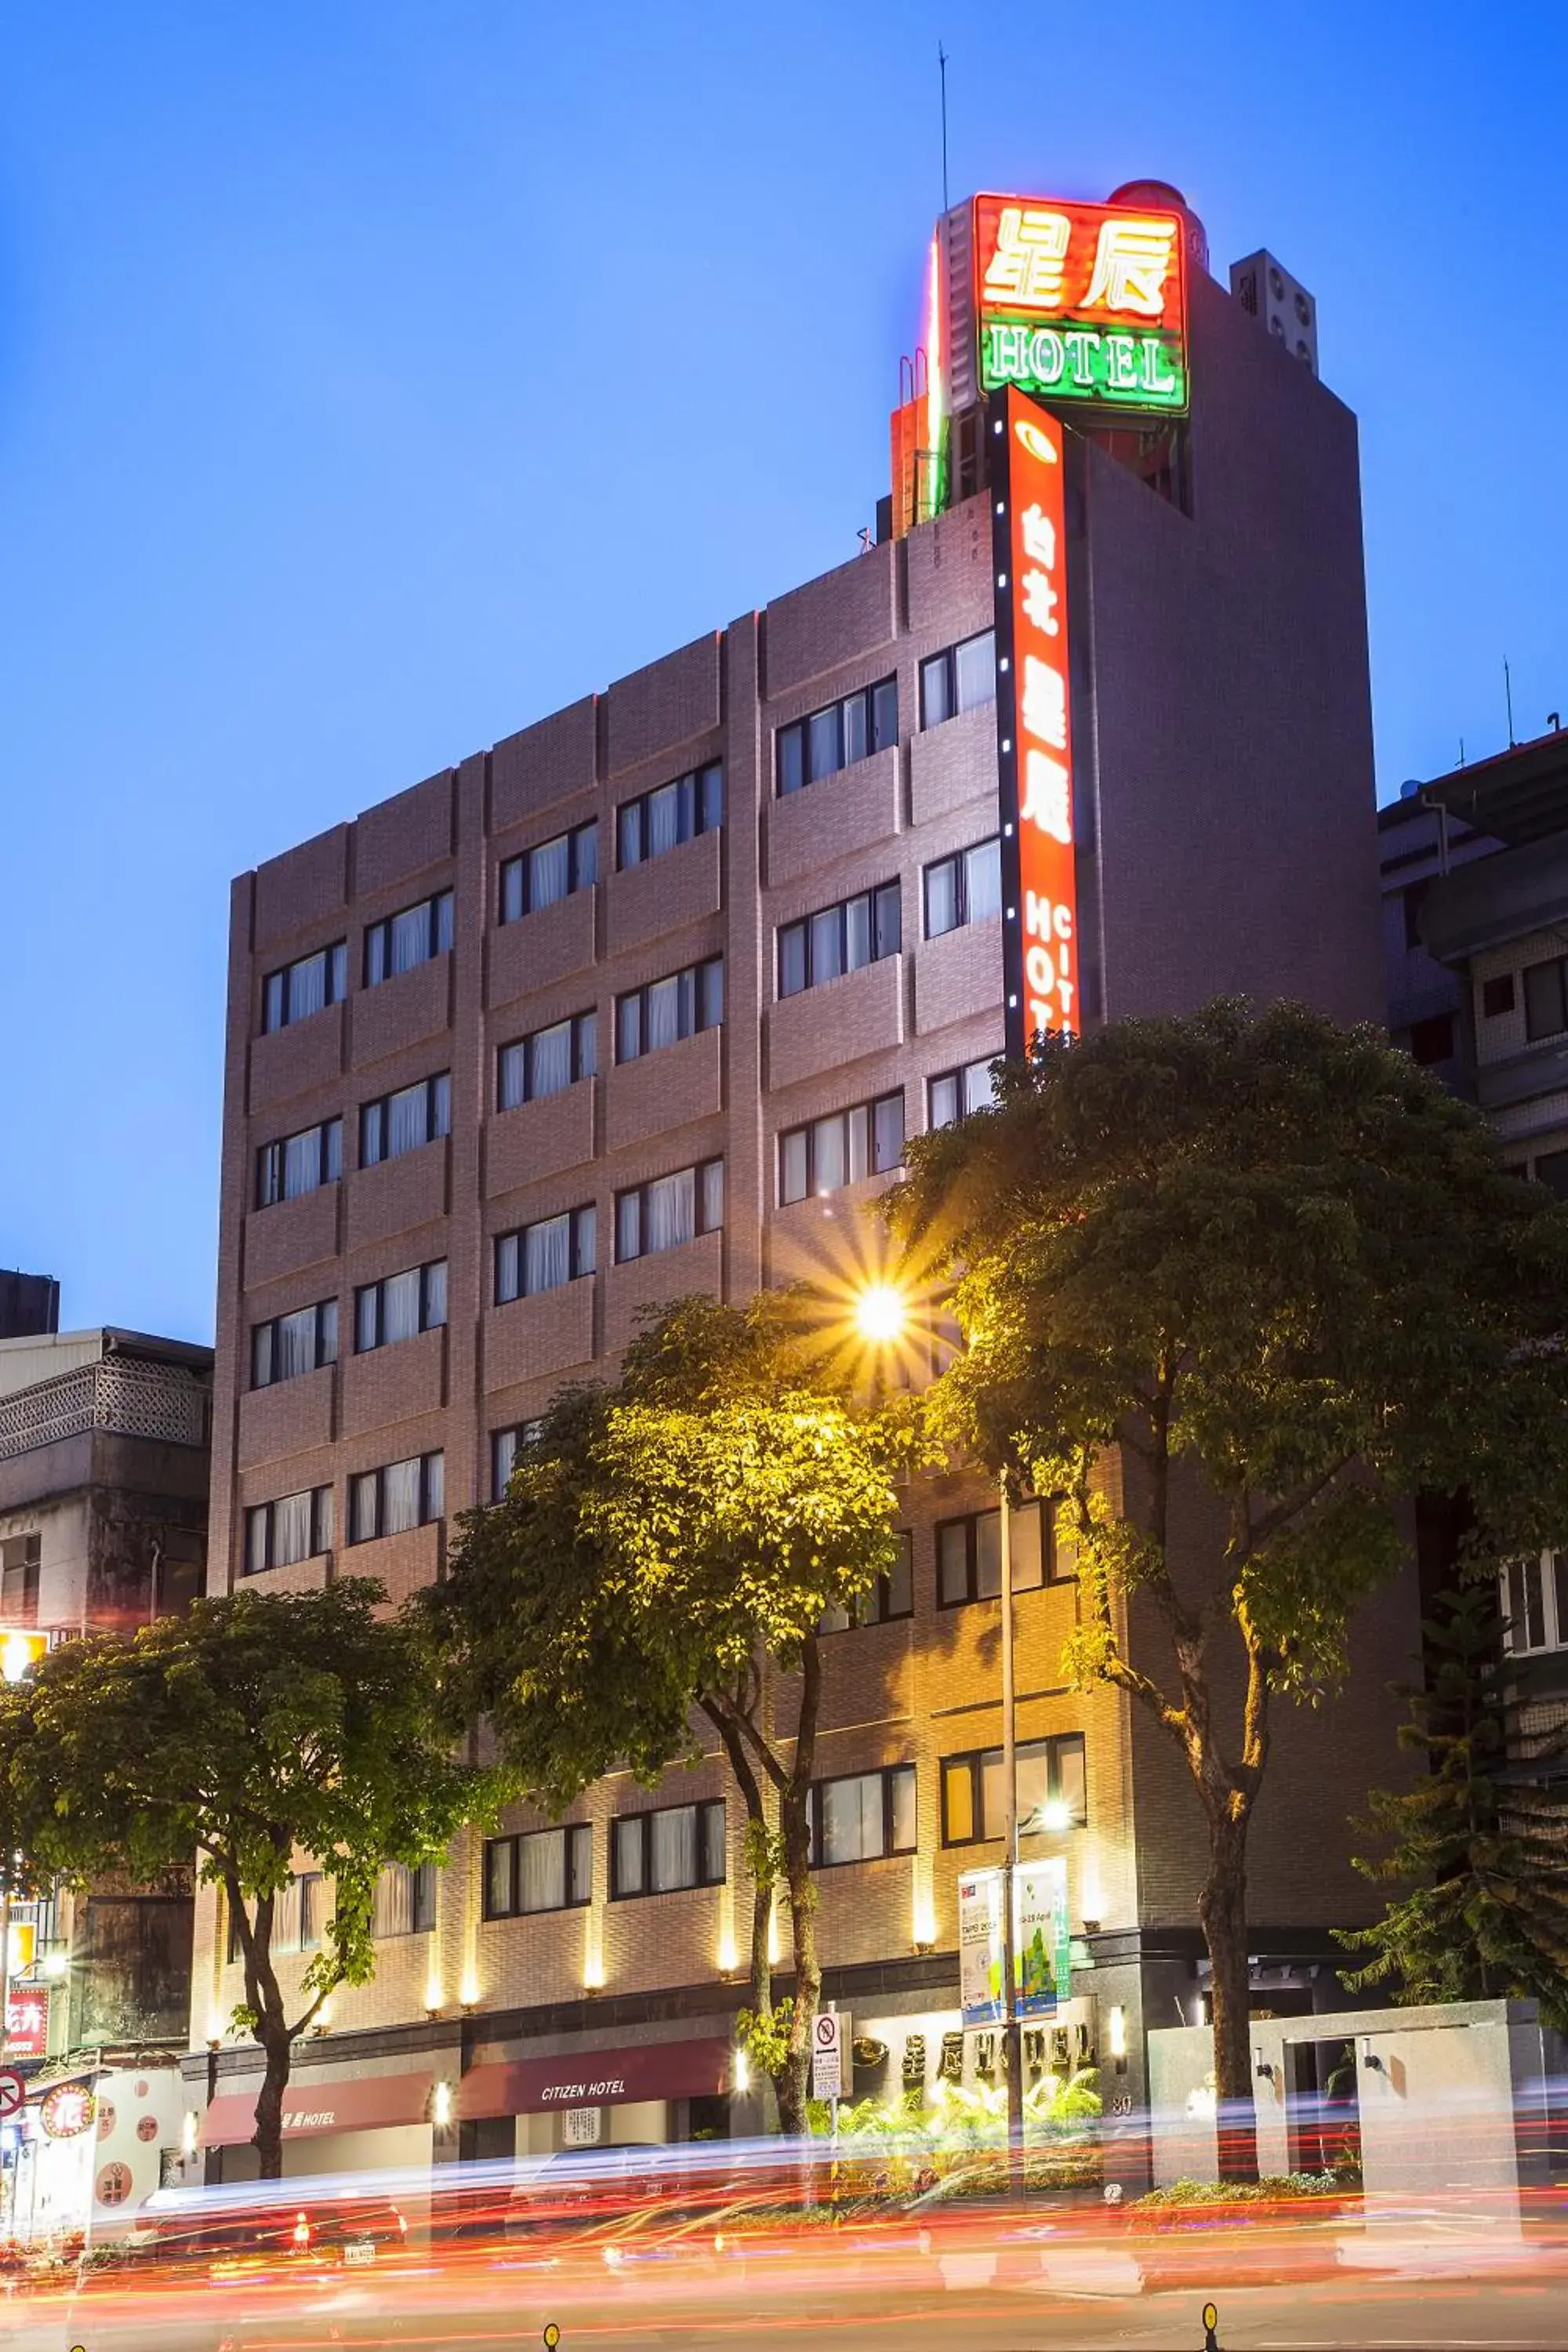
(882, 1314)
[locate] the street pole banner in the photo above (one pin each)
(980, 1946)
(1042, 1945)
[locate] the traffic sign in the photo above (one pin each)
(13, 2093)
(829, 2032)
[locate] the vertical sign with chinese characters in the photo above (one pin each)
(1033, 722)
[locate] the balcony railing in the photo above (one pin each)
(119, 1394)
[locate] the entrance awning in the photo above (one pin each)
(365, 2103)
(597, 2078)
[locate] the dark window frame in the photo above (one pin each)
(957, 859)
(959, 1077)
(582, 1059)
(374, 1117)
(703, 1001)
(700, 809)
(440, 908)
(795, 766)
(512, 1436)
(875, 1166)
(1051, 1550)
(375, 1292)
(1558, 968)
(974, 1760)
(322, 1530)
(583, 1260)
(874, 1605)
(887, 1774)
(430, 1480)
(422, 1902)
(514, 881)
(264, 1342)
(881, 898)
(577, 1872)
(703, 1223)
(277, 987)
(271, 1160)
(946, 662)
(704, 1808)
(1499, 996)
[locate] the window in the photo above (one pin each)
(1414, 896)
(1551, 1169)
(302, 1914)
(1545, 998)
(299, 1164)
(400, 1306)
(402, 1122)
(668, 1010)
(841, 1148)
(21, 1565)
(1535, 1603)
(954, 1094)
(1432, 1040)
(891, 1596)
(962, 678)
(548, 1062)
(968, 1555)
(504, 1446)
(404, 1901)
(291, 1344)
(670, 1210)
(663, 819)
(1496, 994)
(836, 737)
(403, 1494)
(543, 1256)
(409, 939)
(306, 987)
(545, 1870)
(1052, 1794)
(552, 870)
(862, 1816)
(963, 888)
(655, 1853)
(294, 1528)
(840, 938)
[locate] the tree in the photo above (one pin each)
(252, 1727)
(1234, 1285)
(667, 1547)
(1478, 1844)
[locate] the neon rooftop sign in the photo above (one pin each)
(1082, 303)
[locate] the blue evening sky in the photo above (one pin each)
(376, 377)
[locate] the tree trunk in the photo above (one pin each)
(268, 2136)
(792, 2083)
(1222, 1909)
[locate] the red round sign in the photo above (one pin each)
(13, 2092)
(113, 2185)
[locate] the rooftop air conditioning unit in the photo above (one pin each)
(1278, 302)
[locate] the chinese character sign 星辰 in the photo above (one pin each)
(1034, 722)
(1081, 302)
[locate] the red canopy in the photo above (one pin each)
(597, 2078)
(350, 2103)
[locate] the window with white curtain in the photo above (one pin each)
(1535, 1603)
(969, 1554)
(661, 1852)
(1052, 1790)
(504, 1445)
(294, 1528)
(668, 1010)
(299, 1164)
(399, 1496)
(670, 1210)
(548, 872)
(840, 938)
(838, 736)
(963, 888)
(408, 938)
(543, 1256)
(962, 678)
(402, 1122)
(304, 987)
(860, 1816)
(400, 1306)
(540, 1870)
(291, 1344)
(661, 820)
(952, 1095)
(405, 1902)
(548, 1062)
(842, 1149)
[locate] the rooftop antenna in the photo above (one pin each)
(941, 69)
(1507, 695)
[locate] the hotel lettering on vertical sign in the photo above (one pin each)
(1034, 722)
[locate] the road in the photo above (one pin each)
(1466, 2293)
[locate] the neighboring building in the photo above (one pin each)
(645, 1001)
(104, 1449)
(29, 1305)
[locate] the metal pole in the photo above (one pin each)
(1012, 2043)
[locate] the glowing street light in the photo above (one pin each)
(881, 1313)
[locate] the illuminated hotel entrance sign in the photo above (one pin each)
(1034, 721)
(1082, 303)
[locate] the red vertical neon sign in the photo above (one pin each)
(1033, 722)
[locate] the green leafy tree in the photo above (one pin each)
(659, 1564)
(1479, 1846)
(1234, 1285)
(250, 1728)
